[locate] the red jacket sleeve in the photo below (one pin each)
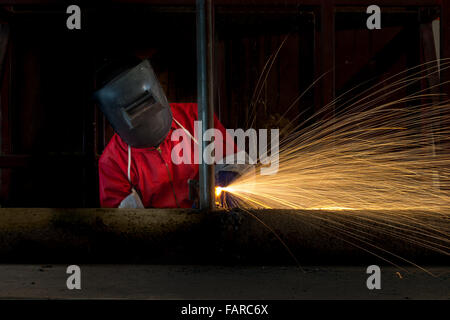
(113, 183)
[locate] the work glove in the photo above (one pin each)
(132, 201)
(227, 173)
(225, 178)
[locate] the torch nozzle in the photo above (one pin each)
(218, 191)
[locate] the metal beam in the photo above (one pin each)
(50, 235)
(205, 96)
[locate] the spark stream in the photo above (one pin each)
(377, 152)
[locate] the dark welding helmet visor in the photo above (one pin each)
(136, 106)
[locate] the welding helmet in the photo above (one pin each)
(136, 106)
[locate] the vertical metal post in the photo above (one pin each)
(205, 95)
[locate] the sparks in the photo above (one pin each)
(376, 153)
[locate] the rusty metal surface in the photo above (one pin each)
(189, 236)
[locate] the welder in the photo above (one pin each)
(136, 169)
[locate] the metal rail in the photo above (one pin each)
(51, 235)
(205, 96)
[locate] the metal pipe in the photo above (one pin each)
(205, 96)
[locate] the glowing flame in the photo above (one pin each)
(218, 191)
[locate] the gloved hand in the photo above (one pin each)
(224, 178)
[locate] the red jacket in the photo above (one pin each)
(160, 182)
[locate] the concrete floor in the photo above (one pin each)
(220, 282)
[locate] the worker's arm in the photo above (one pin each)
(113, 183)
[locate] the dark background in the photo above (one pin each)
(52, 134)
